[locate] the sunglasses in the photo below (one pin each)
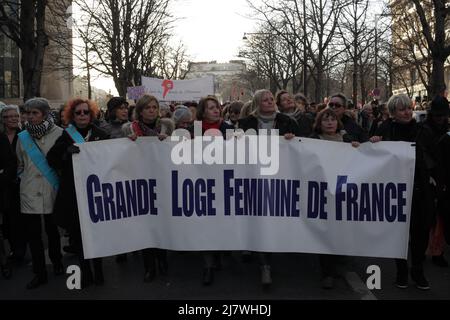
(235, 111)
(80, 112)
(334, 105)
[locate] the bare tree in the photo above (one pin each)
(358, 37)
(128, 39)
(433, 16)
(25, 25)
(411, 52)
(319, 39)
(172, 62)
(272, 57)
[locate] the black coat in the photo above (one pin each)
(413, 132)
(353, 129)
(7, 172)
(305, 124)
(66, 209)
(444, 145)
(283, 123)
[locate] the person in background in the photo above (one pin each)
(431, 132)
(246, 110)
(116, 117)
(165, 111)
(338, 102)
(287, 106)
(38, 187)
(182, 119)
(234, 110)
(23, 116)
(301, 102)
(366, 119)
(193, 107)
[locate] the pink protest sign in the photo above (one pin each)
(167, 85)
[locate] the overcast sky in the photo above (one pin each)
(212, 29)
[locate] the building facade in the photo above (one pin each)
(412, 64)
(228, 82)
(57, 74)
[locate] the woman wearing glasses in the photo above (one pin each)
(78, 115)
(338, 103)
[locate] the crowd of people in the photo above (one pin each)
(37, 183)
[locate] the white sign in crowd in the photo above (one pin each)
(325, 197)
(178, 90)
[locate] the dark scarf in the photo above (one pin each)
(40, 130)
(150, 129)
(85, 132)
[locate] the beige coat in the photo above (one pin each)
(37, 196)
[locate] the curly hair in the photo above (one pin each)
(68, 113)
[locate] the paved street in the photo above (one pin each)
(295, 276)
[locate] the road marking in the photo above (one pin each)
(357, 285)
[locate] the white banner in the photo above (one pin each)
(327, 197)
(179, 90)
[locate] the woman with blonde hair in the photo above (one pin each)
(147, 123)
(265, 115)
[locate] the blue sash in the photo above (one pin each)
(38, 158)
(74, 134)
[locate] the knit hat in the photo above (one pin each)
(41, 104)
(180, 113)
(439, 106)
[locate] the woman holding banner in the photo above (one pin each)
(38, 187)
(286, 104)
(209, 113)
(402, 127)
(328, 127)
(149, 123)
(266, 116)
(79, 115)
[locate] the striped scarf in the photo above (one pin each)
(39, 130)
